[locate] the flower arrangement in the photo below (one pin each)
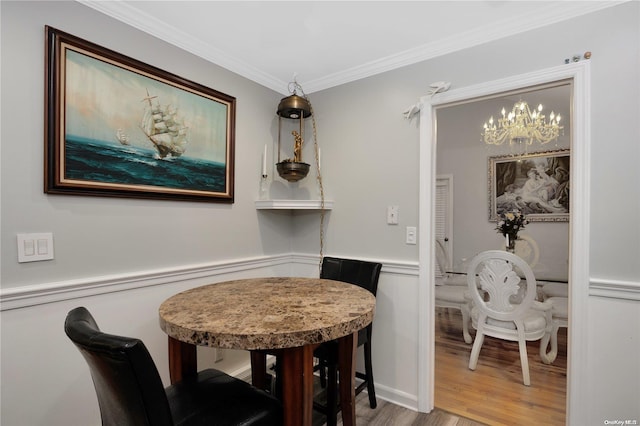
(510, 223)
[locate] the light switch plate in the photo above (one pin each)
(392, 215)
(35, 247)
(412, 235)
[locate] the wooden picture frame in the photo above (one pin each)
(117, 127)
(536, 184)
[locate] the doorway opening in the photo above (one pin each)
(578, 75)
(472, 166)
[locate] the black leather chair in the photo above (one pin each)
(363, 274)
(130, 391)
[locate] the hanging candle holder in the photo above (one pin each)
(293, 107)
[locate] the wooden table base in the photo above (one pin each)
(296, 373)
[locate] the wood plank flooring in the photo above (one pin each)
(388, 414)
(494, 393)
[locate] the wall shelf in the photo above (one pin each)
(292, 205)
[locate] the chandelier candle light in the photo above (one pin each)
(522, 126)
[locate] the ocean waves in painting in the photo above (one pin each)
(99, 161)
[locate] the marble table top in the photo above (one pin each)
(267, 313)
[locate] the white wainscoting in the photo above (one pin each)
(39, 362)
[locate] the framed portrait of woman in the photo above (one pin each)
(536, 184)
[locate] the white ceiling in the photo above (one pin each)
(327, 43)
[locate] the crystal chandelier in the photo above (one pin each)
(522, 126)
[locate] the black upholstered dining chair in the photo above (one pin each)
(130, 391)
(363, 274)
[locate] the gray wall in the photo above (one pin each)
(138, 251)
(361, 124)
(101, 236)
(369, 161)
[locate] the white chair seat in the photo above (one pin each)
(534, 321)
(453, 294)
(555, 290)
(560, 307)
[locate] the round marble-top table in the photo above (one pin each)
(286, 316)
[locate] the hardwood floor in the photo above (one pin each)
(388, 414)
(494, 393)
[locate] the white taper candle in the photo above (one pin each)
(264, 161)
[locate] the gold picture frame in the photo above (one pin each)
(536, 184)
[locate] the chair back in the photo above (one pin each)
(527, 248)
(126, 380)
(499, 292)
(358, 272)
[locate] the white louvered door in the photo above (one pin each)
(444, 215)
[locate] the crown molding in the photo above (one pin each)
(551, 13)
(127, 14)
(507, 28)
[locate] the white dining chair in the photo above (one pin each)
(504, 306)
(527, 248)
(560, 318)
(451, 289)
(554, 289)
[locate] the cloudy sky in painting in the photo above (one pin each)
(101, 98)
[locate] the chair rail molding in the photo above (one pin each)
(614, 289)
(199, 274)
(196, 274)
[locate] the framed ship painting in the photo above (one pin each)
(117, 127)
(535, 184)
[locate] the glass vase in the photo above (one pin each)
(511, 242)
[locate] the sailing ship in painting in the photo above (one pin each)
(122, 137)
(164, 128)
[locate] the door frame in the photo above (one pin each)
(579, 73)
